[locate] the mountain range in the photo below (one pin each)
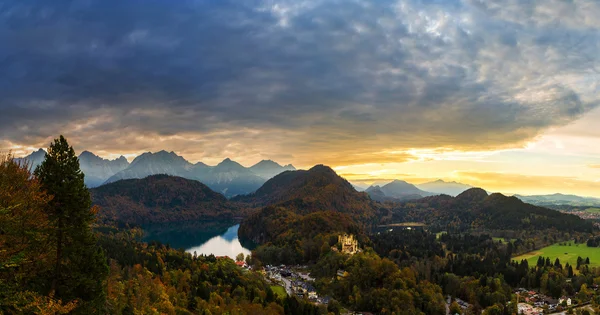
(228, 177)
(313, 201)
(475, 209)
(96, 169)
(231, 178)
(304, 204)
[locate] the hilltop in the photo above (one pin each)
(474, 208)
(397, 190)
(316, 189)
(158, 199)
(302, 206)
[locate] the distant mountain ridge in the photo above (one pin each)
(443, 187)
(34, 159)
(97, 169)
(268, 169)
(396, 190)
(560, 199)
(228, 177)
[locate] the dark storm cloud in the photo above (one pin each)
(322, 75)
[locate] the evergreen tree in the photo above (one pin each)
(540, 262)
(80, 268)
(570, 272)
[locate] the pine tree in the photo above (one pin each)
(540, 262)
(80, 267)
(570, 272)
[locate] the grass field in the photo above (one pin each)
(565, 253)
(279, 291)
(593, 210)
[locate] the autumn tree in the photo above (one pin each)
(455, 308)
(24, 242)
(79, 266)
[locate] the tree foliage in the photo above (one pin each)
(79, 265)
(24, 242)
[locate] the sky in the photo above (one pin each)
(501, 94)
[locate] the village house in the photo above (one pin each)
(341, 274)
(566, 300)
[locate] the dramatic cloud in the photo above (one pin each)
(337, 82)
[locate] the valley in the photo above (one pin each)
(308, 239)
(314, 157)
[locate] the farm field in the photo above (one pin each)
(564, 253)
(593, 210)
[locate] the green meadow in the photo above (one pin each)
(593, 210)
(564, 253)
(279, 291)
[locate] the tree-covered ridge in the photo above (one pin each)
(318, 189)
(292, 238)
(474, 209)
(160, 198)
(304, 213)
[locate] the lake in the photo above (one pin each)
(212, 237)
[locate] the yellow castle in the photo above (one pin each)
(349, 244)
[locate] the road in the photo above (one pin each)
(287, 285)
(585, 305)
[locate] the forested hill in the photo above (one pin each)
(317, 189)
(305, 207)
(474, 208)
(160, 198)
